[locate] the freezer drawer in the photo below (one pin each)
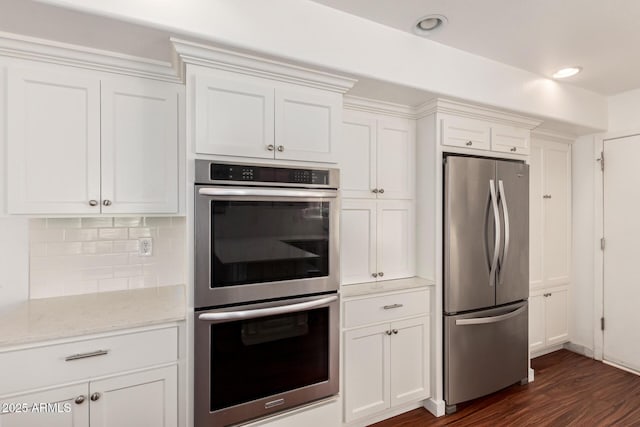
(485, 351)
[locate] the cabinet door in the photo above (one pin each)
(536, 203)
(395, 239)
(358, 241)
(556, 220)
(466, 133)
(233, 117)
(396, 159)
(409, 360)
(536, 322)
(139, 147)
(307, 125)
(146, 398)
(509, 139)
(51, 408)
(357, 156)
(557, 325)
(366, 371)
(53, 132)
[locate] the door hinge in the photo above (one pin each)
(602, 323)
(602, 243)
(601, 160)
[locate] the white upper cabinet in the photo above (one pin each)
(233, 117)
(53, 133)
(509, 139)
(467, 133)
(139, 147)
(395, 239)
(377, 157)
(76, 149)
(251, 117)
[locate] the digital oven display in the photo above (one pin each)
(226, 172)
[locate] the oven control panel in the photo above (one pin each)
(267, 174)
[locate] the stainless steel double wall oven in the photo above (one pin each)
(266, 281)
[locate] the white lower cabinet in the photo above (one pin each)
(548, 318)
(106, 382)
(385, 364)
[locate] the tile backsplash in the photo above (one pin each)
(71, 256)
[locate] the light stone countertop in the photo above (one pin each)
(62, 317)
(371, 288)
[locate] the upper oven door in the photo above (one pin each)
(260, 243)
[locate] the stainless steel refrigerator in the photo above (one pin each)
(486, 276)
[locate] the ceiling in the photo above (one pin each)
(540, 36)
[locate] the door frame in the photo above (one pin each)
(598, 258)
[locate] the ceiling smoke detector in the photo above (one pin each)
(563, 73)
(426, 25)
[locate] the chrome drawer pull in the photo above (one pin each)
(389, 307)
(86, 355)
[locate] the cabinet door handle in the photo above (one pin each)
(546, 196)
(95, 396)
(380, 274)
(106, 202)
(281, 148)
(375, 190)
(513, 150)
(93, 203)
(469, 144)
(395, 332)
(86, 355)
(271, 147)
(79, 399)
(388, 332)
(389, 307)
(381, 190)
(374, 274)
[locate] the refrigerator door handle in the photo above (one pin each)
(505, 210)
(496, 243)
(492, 319)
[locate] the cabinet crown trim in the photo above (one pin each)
(213, 57)
(461, 109)
(366, 105)
(48, 51)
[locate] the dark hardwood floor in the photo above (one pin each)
(569, 390)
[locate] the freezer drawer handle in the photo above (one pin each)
(487, 320)
(389, 307)
(231, 316)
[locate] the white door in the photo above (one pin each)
(139, 147)
(307, 125)
(395, 239)
(556, 314)
(358, 241)
(147, 398)
(53, 133)
(233, 117)
(396, 159)
(536, 322)
(366, 371)
(622, 252)
(409, 360)
(59, 407)
(357, 156)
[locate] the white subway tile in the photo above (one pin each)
(97, 273)
(122, 246)
(36, 223)
(135, 233)
(64, 248)
(127, 222)
(106, 260)
(107, 285)
(45, 235)
(38, 249)
(112, 233)
(81, 287)
(63, 223)
(80, 235)
(158, 221)
(128, 271)
(136, 282)
(97, 222)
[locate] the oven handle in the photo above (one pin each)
(267, 192)
(232, 316)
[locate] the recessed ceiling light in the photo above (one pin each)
(566, 72)
(426, 25)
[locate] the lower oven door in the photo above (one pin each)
(254, 360)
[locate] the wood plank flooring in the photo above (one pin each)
(569, 390)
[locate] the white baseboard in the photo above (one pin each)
(546, 350)
(531, 375)
(389, 413)
(580, 349)
(436, 407)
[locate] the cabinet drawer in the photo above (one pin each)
(62, 363)
(385, 308)
(510, 139)
(466, 133)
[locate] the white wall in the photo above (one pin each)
(584, 240)
(624, 111)
(317, 35)
(14, 261)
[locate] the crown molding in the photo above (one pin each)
(40, 50)
(461, 109)
(213, 57)
(357, 103)
(553, 135)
